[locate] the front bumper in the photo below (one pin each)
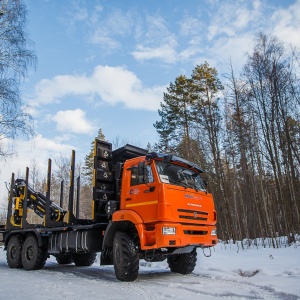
(165, 235)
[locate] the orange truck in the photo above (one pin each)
(149, 206)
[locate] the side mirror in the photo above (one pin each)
(142, 172)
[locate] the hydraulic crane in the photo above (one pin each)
(35, 201)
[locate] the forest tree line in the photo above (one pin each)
(246, 135)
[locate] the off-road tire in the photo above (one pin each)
(84, 259)
(183, 263)
(14, 252)
(64, 259)
(33, 256)
(125, 257)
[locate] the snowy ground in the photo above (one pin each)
(231, 273)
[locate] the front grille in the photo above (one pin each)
(192, 224)
(192, 211)
(195, 232)
(192, 214)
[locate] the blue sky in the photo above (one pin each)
(105, 64)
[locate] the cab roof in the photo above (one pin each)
(173, 158)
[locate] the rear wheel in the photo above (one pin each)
(33, 256)
(13, 254)
(183, 263)
(125, 257)
(64, 259)
(84, 259)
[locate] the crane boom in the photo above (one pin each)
(35, 201)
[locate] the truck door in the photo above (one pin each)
(140, 197)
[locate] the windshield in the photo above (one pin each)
(177, 175)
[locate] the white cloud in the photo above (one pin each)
(157, 42)
(161, 44)
(111, 85)
(232, 18)
(243, 18)
(103, 24)
(151, 37)
(39, 143)
(234, 49)
(165, 53)
(76, 13)
(119, 22)
(234, 26)
(105, 32)
(73, 121)
(156, 31)
(38, 149)
(190, 26)
(256, 4)
(51, 90)
(101, 37)
(189, 52)
(286, 24)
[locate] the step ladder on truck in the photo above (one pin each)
(149, 206)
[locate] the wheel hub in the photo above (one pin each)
(13, 252)
(29, 253)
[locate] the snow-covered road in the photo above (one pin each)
(263, 273)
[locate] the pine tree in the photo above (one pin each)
(206, 111)
(176, 118)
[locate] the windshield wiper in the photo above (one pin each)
(191, 185)
(181, 183)
(184, 184)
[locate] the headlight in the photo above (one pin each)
(168, 230)
(214, 232)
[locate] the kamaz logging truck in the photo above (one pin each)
(149, 206)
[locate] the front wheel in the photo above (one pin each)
(125, 257)
(33, 256)
(183, 263)
(13, 254)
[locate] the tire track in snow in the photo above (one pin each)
(259, 292)
(195, 285)
(162, 284)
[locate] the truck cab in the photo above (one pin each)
(167, 200)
